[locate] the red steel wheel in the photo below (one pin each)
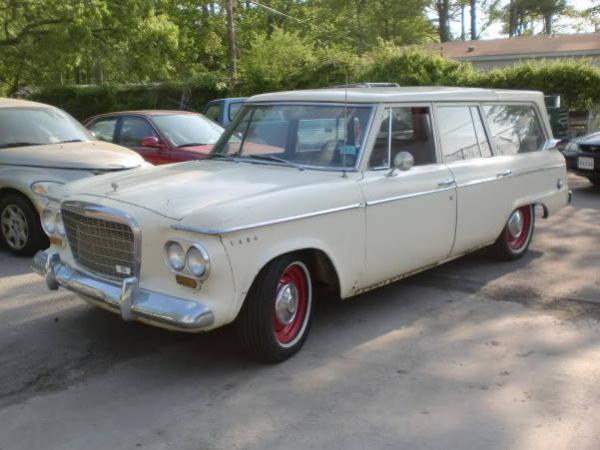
(291, 304)
(518, 228)
(274, 321)
(517, 233)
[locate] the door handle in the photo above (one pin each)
(506, 173)
(446, 183)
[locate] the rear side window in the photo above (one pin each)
(462, 134)
(515, 128)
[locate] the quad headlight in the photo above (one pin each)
(197, 261)
(52, 222)
(175, 256)
(187, 258)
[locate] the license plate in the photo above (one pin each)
(585, 163)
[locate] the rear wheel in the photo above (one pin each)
(20, 227)
(517, 234)
(276, 315)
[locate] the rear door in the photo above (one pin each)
(481, 200)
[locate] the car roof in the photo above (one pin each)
(398, 94)
(17, 103)
(228, 99)
(146, 112)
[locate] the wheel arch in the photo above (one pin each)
(323, 270)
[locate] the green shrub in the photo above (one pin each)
(85, 101)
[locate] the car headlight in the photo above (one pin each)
(41, 187)
(49, 221)
(571, 149)
(197, 261)
(175, 256)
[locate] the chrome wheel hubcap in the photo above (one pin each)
(14, 227)
(286, 304)
(515, 223)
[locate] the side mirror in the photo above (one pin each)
(403, 161)
(152, 142)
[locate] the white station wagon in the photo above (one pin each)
(342, 190)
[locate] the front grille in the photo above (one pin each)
(589, 148)
(101, 245)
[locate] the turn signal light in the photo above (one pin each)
(56, 241)
(186, 281)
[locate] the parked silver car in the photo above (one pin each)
(41, 146)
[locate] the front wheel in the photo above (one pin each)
(517, 234)
(276, 315)
(20, 227)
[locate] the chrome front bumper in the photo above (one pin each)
(126, 299)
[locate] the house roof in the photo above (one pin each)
(587, 44)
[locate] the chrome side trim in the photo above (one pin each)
(513, 175)
(405, 196)
(192, 229)
(126, 299)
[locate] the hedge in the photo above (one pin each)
(86, 101)
(577, 81)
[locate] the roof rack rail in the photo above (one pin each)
(368, 85)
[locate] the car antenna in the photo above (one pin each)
(344, 174)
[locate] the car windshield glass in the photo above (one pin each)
(319, 136)
(39, 126)
(187, 129)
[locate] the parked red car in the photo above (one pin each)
(161, 137)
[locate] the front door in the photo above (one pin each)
(410, 215)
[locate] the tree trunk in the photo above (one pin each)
(443, 9)
(548, 24)
(512, 19)
(98, 71)
(473, 20)
(463, 32)
(231, 47)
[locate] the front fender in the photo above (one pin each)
(340, 236)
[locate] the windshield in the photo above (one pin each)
(21, 127)
(188, 129)
(319, 136)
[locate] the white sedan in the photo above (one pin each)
(342, 190)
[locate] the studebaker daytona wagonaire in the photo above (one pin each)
(339, 189)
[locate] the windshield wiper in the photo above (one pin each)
(69, 141)
(273, 158)
(19, 144)
(192, 144)
(219, 156)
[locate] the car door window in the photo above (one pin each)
(404, 129)
(515, 128)
(212, 112)
(462, 135)
(234, 108)
(104, 129)
(133, 130)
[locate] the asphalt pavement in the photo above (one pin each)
(474, 354)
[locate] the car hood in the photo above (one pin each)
(92, 155)
(219, 194)
(200, 149)
(590, 139)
